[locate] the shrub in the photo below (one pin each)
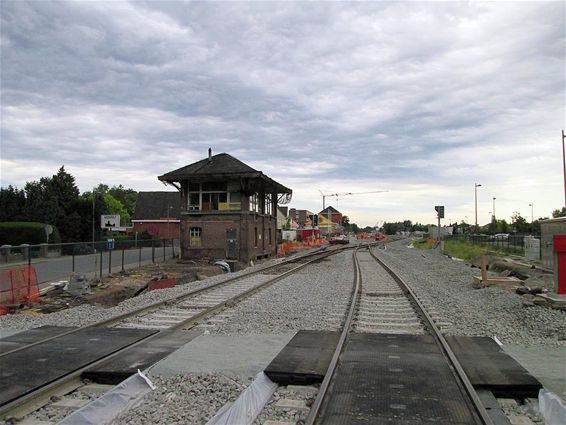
(20, 232)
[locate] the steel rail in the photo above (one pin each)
(29, 401)
(456, 367)
(157, 304)
(324, 386)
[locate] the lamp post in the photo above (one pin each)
(494, 198)
(532, 213)
(564, 164)
(476, 185)
(93, 218)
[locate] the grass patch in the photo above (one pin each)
(464, 250)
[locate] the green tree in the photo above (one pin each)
(12, 204)
(520, 224)
(128, 198)
(40, 205)
(113, 206)
(559, 213)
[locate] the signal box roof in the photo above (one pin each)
(220, 167)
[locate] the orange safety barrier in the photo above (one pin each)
(18, 285)
(291, 245)
(162, 284)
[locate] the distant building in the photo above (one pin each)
(302, 217)
(330, 220)
(549, 228)
(227, 209)
(333, 214)
(157, 213)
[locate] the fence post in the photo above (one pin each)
(109, 261)
(172, 248)
(73, 260)
(101, 264)
(29, 265)
(164, 249)
(123, 249)
(152, 250)
(140, 255)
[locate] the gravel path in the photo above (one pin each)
(301, 301)
(315, 298)
(447, 286)
(85, 315)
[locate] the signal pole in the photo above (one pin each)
(564, 166)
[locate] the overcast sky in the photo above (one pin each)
(421, 99)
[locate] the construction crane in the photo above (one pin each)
(346, 194)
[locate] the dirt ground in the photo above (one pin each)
(113, 289)
(531, 273)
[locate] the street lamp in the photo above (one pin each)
(93, 218)
(494, 198)
(476, 185)
(532, 213)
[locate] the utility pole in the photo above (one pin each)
(564, 166)
(476, 185)
(93, 218)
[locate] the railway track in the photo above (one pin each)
(383, 303)
(183, 312)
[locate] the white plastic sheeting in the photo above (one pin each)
(223, 265)
(551, 408)
(104, 409)
(250, 403)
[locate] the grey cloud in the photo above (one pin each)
(377, 90)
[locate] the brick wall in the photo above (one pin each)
(213, 235)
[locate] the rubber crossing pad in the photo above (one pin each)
(305, 359)
(26, 370)
(489, 367)
(141, 357)
(30, 336)
(394, 379)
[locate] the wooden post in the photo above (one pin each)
(484, 269)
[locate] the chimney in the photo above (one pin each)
(209, 154)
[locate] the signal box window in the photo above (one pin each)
(195, 237)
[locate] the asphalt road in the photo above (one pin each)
(59, 268)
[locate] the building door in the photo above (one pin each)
(231, 244)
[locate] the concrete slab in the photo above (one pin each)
(238, 355)
(8, 332)
(547, 364)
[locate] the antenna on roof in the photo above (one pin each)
(209, 154)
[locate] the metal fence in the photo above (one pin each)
(512, 243)
(54, 262)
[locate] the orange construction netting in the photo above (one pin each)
(18, 285)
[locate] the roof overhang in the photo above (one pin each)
(269, 184)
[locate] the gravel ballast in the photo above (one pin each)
(446, 285)
(317, 298)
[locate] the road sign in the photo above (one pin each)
(108, 221)
(440, 210)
